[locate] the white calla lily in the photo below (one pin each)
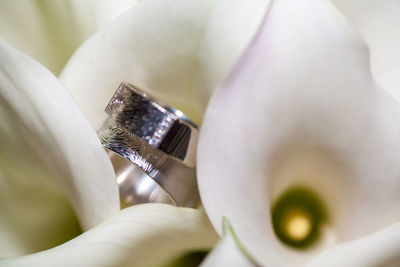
(148, 235)
(177, 50)
(378, 22)
(300, 119)
(50, 31)
(299, 123)
(59, 147)
(46, 143)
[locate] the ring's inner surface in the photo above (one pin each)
(135, 186)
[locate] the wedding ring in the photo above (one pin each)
(152, 148)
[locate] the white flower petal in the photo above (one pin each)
(164, 47)
(34, 216)
(230, 27)
(45, 138)
(378, 22)
(228, 252)
(50, 31)
(301, 108)
(143, 235)
(378, 249)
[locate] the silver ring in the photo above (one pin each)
(152, 148)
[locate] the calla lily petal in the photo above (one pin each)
(378, 249)
(163, 47)
(50, 31)
(45, 141)
(230, 27)
(378, 22)
(228, 252)
(143, 235)
(34, 215)
(301, 109)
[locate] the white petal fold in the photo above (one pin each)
(378, 249)
(50, 31)
(146, 235)
(228, 252)
(177, 50)
(229, 28)
(301, 109)
(378, 22)
(46, 142)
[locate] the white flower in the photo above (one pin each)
(298, 147)
(305, 145)
(49, 149)
(50, 153)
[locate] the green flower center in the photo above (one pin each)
(297, 217)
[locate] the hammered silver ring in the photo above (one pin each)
(152, 148)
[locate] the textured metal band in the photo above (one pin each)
(161, 143)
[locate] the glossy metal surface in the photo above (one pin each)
(153, 149)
